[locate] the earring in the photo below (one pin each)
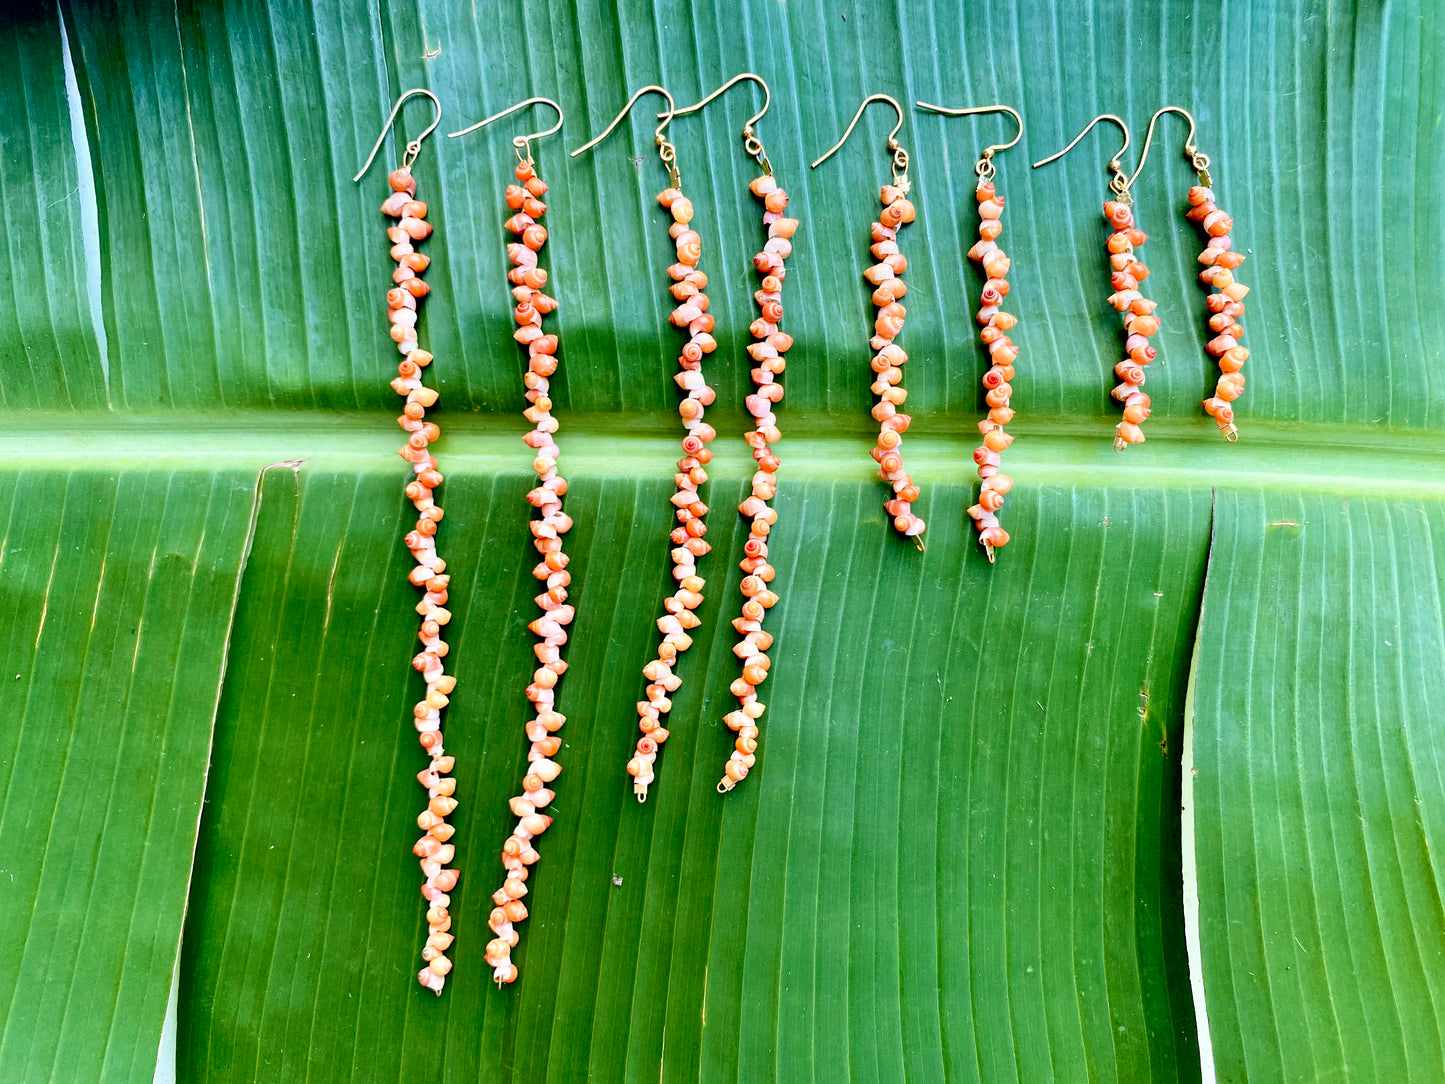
(433, 848)
(688, 540)
(1220, 260)
(1129, 273)
(767, 350)
(888, 357)
(524, 199)
(996, 326)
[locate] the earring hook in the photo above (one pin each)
(522, 143)
(984, 167)
(665, 150)
(1118, 184)
(751, 143)
(1200, 162)
(900, 156)
(414, 147)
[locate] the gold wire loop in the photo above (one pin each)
(1118, 183)
(414, 147)
(1199, 162)
(522, 143)
(984, 167)
(900, 156)
(665, 150)
(751, 144)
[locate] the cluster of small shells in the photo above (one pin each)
(518, 852)
(689, 543)
(1139, 320)
(889, 358)
(767, 351)
(434, 849)
(1002, 354)
(1226, 305)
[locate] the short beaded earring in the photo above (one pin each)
(997, 382)
(767, 349)
(433, 849)
(1128, 274)
(688, 539)
(524, 200)
(888, 357)
(1220, 259)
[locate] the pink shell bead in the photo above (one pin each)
(768, 350)
(688, 538)
(1225, 303)
(889, 359)
(997, 381)
(433, 849)
(548, 527)
(1140, 323)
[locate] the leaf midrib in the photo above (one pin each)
(1276, 456)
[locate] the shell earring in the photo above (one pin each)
(767, 350)
(524, 200)
(1128, 275)
(1220, 259)
(998, 381)
(433, 849)
(888, 356)
(689, 543)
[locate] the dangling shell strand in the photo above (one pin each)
(433, 849)
(1226, 306)
(518, 853)
(1002, 354)
(688, 542)
(1139, 320)
(767, 351)
(889, 358)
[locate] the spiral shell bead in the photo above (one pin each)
(997, 381)
(1225, 303)
(1139, 321)
(688, 538)
(550, 627)
(889, 358)
(767, 350)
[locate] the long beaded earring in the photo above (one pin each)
(1220, 259)
(688, 541)
(1002, 352)
(433, 849)
(1128, 275)
(888, 356)
(767, 350)
(524, 200)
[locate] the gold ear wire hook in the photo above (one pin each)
(522, 143)
(414, 147)
(1118, 184)
(984, 167)
(751, 143)
(1200, 162)
(665, 150)
(900, 156)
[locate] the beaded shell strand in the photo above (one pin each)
(1226, 306)
(885, 276)
(688, 538)
(550, 627)
(996, 382)
(434, 848)
(767, 351)
(1140, 323)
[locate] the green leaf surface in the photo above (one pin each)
(941, 869)
(1318, 789)
(116, 604)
